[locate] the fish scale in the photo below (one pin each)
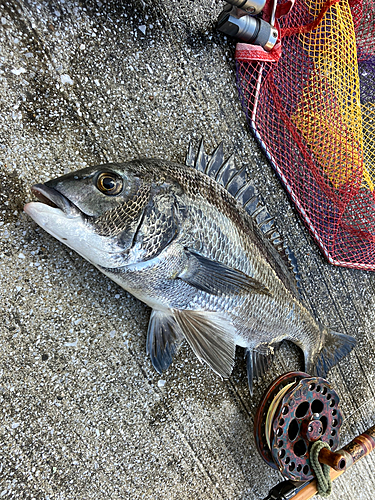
(194, 242)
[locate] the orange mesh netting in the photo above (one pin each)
(311, 104)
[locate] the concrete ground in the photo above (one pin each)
(83, 415)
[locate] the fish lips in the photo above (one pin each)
(52, 197)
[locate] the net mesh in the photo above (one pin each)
(313, 113)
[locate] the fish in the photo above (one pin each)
(196, 243)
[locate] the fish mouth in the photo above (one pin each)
(51, 197)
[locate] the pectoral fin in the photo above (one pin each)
(163, 339)
(211, 337)
(217, 278)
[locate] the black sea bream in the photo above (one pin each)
(186, 240)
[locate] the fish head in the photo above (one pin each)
(94, 211)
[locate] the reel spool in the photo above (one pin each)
(296, 411)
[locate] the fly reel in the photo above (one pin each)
(296, 411)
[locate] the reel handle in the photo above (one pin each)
(334, 459)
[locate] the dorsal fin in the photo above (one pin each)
(238, 185)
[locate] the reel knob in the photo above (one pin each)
(296, 411)
(311, 430)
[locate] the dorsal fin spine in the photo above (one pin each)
(200, 162)
(227, 171)
(190, 156)
(215, 162)
(238, 193)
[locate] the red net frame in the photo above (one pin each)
(303, 104)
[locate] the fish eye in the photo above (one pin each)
(109, 183)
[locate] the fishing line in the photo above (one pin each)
(357, 410)
(272, 411)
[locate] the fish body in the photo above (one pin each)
(185, 240)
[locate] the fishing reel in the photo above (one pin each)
(296, 411)
(237, 20)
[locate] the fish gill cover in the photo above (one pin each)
(311, 104)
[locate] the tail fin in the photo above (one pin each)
(335, 347)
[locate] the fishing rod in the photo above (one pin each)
(296, 428)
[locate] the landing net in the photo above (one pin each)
(311, 104)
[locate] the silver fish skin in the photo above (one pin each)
(179, 241)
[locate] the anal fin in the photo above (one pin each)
(211, 337)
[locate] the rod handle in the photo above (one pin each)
(311, 489)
